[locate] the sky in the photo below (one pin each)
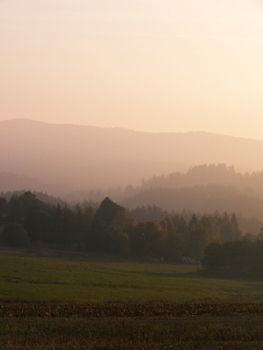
(170, 65)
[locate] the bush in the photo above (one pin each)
(235, 259)
(14, 235)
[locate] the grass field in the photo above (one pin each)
(64, 303)
(30, 278)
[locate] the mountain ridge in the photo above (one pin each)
(114, 128)
(86, 157)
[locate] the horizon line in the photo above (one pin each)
(129, 129)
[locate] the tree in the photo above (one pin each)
(84, 218)
(110, 226)
(14, 235)
(147, 239)
(240, 259)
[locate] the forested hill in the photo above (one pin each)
(206, 188)
(203, 199)
(83, 157)
(210, 174)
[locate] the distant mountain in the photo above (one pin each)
(74, 157)
(200, 199)
(210, 174)
(205, 188)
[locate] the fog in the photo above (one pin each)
(65, 158)
(98, 96)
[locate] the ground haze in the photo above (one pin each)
(62, 158)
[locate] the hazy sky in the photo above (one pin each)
(158, 65)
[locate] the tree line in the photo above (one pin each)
(111, 229)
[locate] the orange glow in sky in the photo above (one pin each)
(143, 64)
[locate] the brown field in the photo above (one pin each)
(122, 326)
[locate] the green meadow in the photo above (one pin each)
(75, 279)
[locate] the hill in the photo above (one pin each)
(202, 199)
(211, 174)
(68, 157)
(205, 188)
